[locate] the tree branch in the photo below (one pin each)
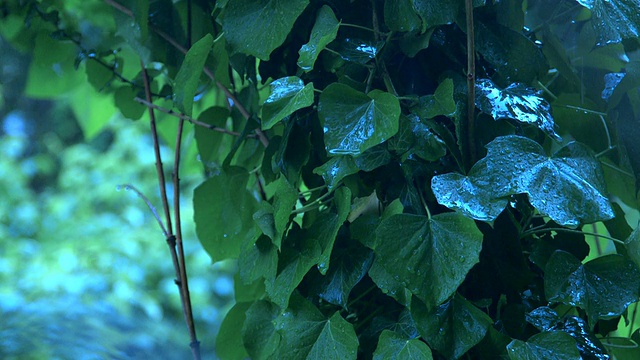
(471, 82)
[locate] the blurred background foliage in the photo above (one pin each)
(85, 272)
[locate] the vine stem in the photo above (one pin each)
(471, 81)
(180, 273)
(530, 232)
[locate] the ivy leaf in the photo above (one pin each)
(258, 332)
(339, 167)
(325, 228)
(603, 287)
(393, 346)
(324, 31)
(307, 334)
(415, 138)
(229, 341)
(568, 187)
(632, 244)
(249, 25)
(451, 328)
(614, 21)
(212, 144)
(547, 345)
(389, 284)
(349, 265)
(353, 121)
(517, 102)
(358, 50)
(293, 265)
(258, 260)
(472, 195)
(431, 257)
(440, 103)
(187, 78)
(288, 95)
(223, 211)
(399, 15)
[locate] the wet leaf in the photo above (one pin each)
(353, 121)
(324, 31)
(358, 50)
(249, 25)
(258, 332)
(399, 15)
(430, 257)
(451, 328)
(288, 95)
(440, 103)
(339, 167)
(614, 21)
(393, 346)
(258, 260)
(325, 228)
(389, 284)
(516, 102)
(632, 244)
(543, 318)
(223, 211)
(307, 334)
(603, 287)
(549, 345)
(568, 187)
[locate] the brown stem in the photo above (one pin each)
(188, 118)
(175, 44)
(471, 82)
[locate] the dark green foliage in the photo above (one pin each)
(370, 216)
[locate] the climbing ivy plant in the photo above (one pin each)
(396, 179)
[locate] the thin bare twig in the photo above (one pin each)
(188, 118)
(149, 205)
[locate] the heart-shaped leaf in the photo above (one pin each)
(614, 21)
(451, 328)
(324, 31)
(258, 332)
(568, 187)
(548, 345)
(516, 102)
(249, 25)
(440, 103)
(353, 121)
(307, 334)
(431, 257)
(339, 167)
(603, 287)
(394, 346)
(288, 95)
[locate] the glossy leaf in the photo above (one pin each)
(307, 334)
(568, 187)
(415, 138)
(595, 286)
(357, 50)
(632, 244)
(326, 227)
(324, 31)
(284, 200)
(516, 102)
(548, 345)
(339, 167)
(431, 257)
(472, 195)
(288, 95)
(389, 284)
(187, 78)
(249, 25)
(353, 121)
(440, 103)
(614, 21)
(223, 211)
(451, 328)
(393, 346)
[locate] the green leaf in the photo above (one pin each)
(134, 32)
(293, 265)
(186, 82)
(472, 195)
(451, 328)
(288, 95)
(349, 265)
(258, 332)
(258, 260)
(568, 187)
(415, 138)
(229, 340)
(284, 200)
(603, 287)
(632, 244)
(548, 345)
(353, 121)
(223, 211)
(517, 102)
(307, 334)
(399, 15)
(213, 146)
(614, 21)
(250, 26)
(431, 257)
(440, 103)
(392, 346)
(389, 284)
(324, 31)
(325, 228)
(339, 167)
(124, 100)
